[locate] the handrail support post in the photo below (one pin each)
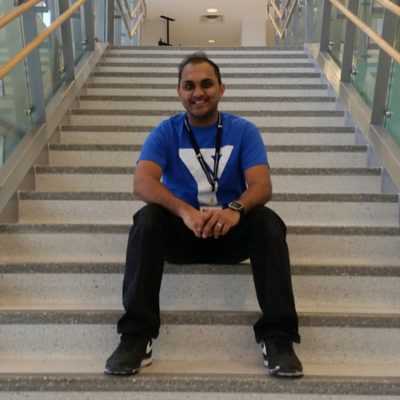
(326, 25)
(110, 21)
(89, 25)
(348, 48)
(383, 72)
(34, 68)
(67, 41)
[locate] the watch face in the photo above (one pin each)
(235, 205)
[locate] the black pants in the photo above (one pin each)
(158, 236)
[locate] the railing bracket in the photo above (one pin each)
(353, 72)
(17, 3)
(29, 111)
(61, 70)
(387, 113)
(330, 43)
(84, 42)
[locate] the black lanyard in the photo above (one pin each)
(200, 157)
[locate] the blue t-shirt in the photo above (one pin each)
(168, 145)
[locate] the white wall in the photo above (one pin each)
(254, 32)
(152, 31)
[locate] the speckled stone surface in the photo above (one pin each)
(109, 228)
(270, 99)
(302, 197)
(226, 75)
(220, 65)
(262, 129)
(272, 86)
(265, 55)
(218, 50)
(197, 269)
(274, 171)
(209, 384)
(192, 317)
(262, 113)
(269, 148)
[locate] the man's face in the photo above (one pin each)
(200, 92)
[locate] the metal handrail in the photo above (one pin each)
(18, 12)
(13, 62)
(282, 32)
(369, 31)
(132, 15)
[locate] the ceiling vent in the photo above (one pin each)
(211, 19)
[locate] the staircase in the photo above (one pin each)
(61, 266)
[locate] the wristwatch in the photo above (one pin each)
(236, 206)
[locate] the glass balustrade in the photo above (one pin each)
(392, 124)
(14, 93)
(318, 7)
(366, 52)
(51, 56)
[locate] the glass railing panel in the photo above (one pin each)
(365, 59)
(78, 29)
(51, 55)
(337, 34)
(392, 124)
(14, 92)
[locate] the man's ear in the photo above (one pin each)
(178, 91)
(222, 89)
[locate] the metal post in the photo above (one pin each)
(277, 20)
(101, 21)
(295, 25)
(309, 28)
(110, 21)
(67, 41)
(326, 26)
(89, 24)
(34, 68)
(350, 38)
(383, 72)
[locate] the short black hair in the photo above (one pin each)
(198, 58)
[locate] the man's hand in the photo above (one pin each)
(218, 222)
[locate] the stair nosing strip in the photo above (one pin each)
(166, 113)
(200, 383)
(124, 229)
(191, 317)
(274, 171)
(281, 197)
(220, 65)
(262, 129)
(319, 86)
(232, 99)
(353, 148)
(198, 269)
(225, 75)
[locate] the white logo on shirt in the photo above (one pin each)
(188, 156)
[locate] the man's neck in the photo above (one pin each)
(203, 122)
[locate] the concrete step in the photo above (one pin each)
(84, 134)
(329, 245)
(227, 336)
(232, 104)
(279, 156)
(299, 209)
(288, 180)
(219, 380)
(271, 89)
(81, 286)
(259, 118)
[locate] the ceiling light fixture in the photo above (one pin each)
(212, 10)
(211, 41)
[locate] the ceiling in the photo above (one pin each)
(187, 30)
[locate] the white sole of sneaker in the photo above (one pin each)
(144, 363)
(276, 372)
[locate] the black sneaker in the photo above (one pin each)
(133, 352)
(280, 358)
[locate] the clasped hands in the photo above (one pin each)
(215, 223)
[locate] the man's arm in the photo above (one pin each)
(148, 187)
(258, 192)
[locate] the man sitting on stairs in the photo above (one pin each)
(205, 178)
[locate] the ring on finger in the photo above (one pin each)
(219, 224)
